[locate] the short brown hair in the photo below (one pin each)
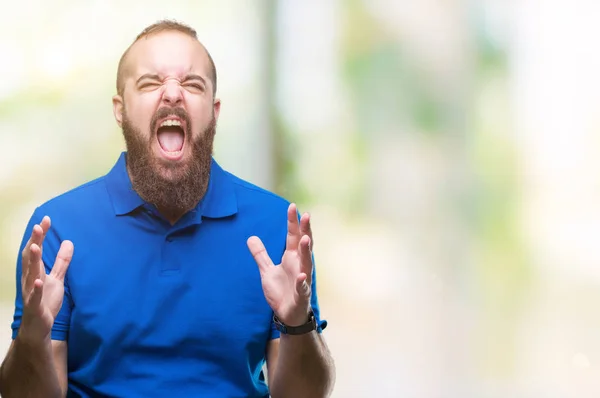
(162, 26)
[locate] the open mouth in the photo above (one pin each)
(171, 138)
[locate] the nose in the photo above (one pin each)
(172, 94)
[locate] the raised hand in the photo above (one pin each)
(42, 294)
(287, 287)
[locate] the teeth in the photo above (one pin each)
(170, 123)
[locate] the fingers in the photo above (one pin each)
(306, 264)
(36, 237)
(293, 234)
(31, 268)
(35, 299)
(45, 224)
(305, 228)
(63, 259)
(257, 248)
(38, 233)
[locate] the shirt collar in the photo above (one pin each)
(219, 201)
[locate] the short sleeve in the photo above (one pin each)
(50, 249)
(314, 301)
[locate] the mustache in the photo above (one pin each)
(162, 113)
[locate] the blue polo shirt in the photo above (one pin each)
(154, 310)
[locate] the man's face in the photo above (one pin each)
(168, 115)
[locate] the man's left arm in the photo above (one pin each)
(299, 365)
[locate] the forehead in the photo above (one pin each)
(168, 53)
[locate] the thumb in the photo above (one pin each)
(302, 287)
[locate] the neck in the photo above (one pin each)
(171, 216)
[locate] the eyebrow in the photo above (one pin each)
(148, 76)
(194, 77)
(151, 76)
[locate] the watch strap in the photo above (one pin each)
(308, 327)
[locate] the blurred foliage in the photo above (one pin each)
(287, 181)
(502, 272)
(14, 105)
(389, 87)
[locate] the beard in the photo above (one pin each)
(174, 188)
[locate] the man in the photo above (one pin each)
(163, 295)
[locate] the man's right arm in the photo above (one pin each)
(31, 370)
(36, 366)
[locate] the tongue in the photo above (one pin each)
(170, 140)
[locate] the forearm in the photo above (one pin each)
(305, 367)
(28, 372)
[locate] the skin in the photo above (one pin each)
(155, 75)
(298, 366)
(170, 69)
(167, 70)
(35, 365)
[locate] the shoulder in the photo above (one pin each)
(259, 211)
(86, 198)
(78, 195)
(77, 205)
(249, 194)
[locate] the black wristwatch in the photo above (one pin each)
(296, 330)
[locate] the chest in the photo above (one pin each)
(148, 294)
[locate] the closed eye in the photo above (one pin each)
(195, 86)
(148, 85)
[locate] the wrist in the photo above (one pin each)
(308, 325)
(295, 318)
(33, 340)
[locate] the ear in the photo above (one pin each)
(118, 109)
(217, 108)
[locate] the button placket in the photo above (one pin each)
(169, 261)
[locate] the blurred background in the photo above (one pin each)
(448, 150)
